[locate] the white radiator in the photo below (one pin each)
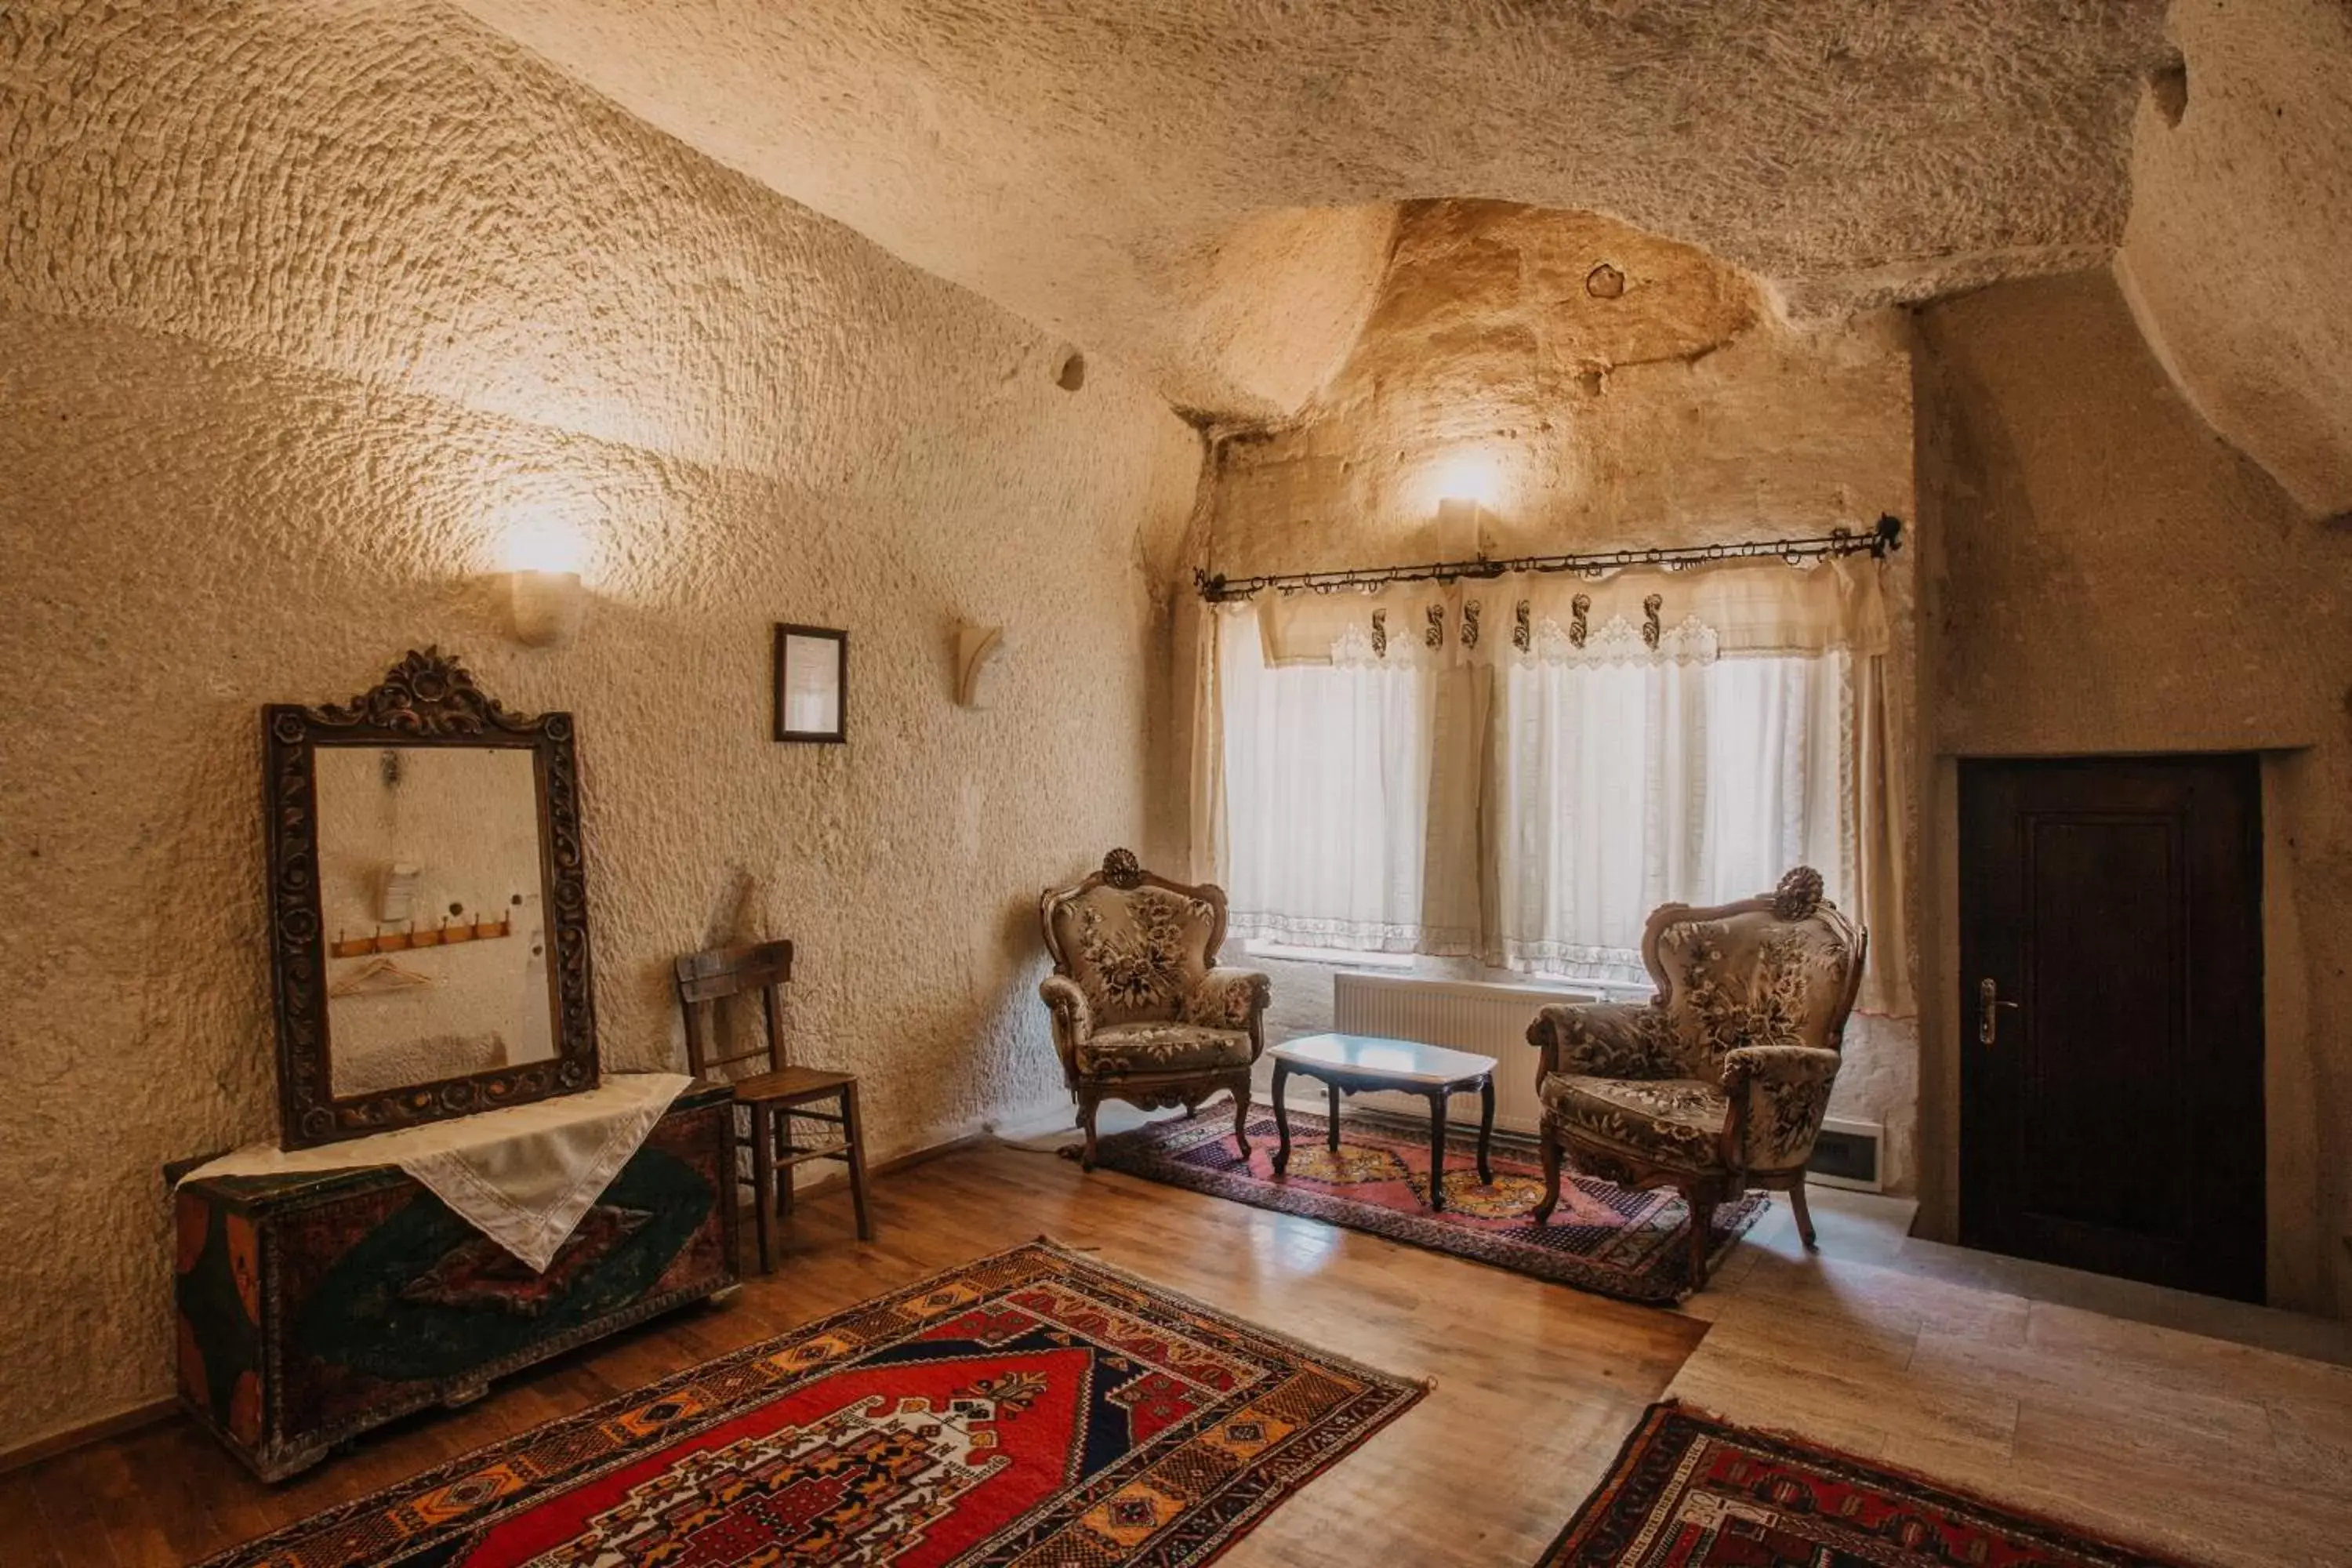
(1468, 1015)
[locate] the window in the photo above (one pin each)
(1619, 786)
(1327, 794)
(1531, 804)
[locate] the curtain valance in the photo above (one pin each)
(1734, 608)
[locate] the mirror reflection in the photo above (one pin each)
(430, 884)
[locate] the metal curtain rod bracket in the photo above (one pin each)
(1885, 535)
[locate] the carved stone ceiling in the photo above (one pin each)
(1206, 190)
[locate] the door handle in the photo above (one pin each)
(1989, 1004)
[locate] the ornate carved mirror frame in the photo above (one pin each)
(426, 700)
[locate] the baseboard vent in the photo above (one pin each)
(1846, 1154)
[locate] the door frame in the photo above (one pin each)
(2220, 883)
(2302, 1244)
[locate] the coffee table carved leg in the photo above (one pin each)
(1486, 1128)
(1333, 1136)
(1436, 1149)
(1281, 1116)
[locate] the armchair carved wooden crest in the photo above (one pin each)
(1141, 1012)
(1719, 1082)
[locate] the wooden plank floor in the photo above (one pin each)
(2218, 1452)
(1535, 1384)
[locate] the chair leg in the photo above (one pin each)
(855, 1130)
(1240, 1115)
(1804, 1214)
(1087, 1100)
(763, 1181)
(783, 1171)
(1702, 1232)
(1551, 1158)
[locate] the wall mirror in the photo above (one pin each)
(428, 906)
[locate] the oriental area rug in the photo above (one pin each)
(1031, 1407)
(1611, 1240)
(1691, 1491)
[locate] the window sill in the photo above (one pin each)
(1336, 957)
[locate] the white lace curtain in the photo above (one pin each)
(1326, 784)
(1521, 769)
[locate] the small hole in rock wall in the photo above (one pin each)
(1072, 374)
(2169, 85)
(1604, 282)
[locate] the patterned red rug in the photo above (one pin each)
(1611, 1240)
(1691, 1491)
(1033, 1406)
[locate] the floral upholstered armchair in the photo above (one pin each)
(1719, 1082)
(1140, 1012)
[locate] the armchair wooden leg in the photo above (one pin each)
(1240, 1115)
(1804, 1214)
(1551, 1157)
(1088, 1099)
(1702, 1232)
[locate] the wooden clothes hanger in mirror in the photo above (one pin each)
(379, 974)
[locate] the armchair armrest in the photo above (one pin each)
(1604, 1039)
(1778, 1096)
(1229, 999)
(1074, 1015)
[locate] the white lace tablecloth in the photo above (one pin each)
(523, 1176)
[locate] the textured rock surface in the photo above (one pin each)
(293, 314)
(1679, 410)
(1066, 159)
(2234, 257)
(2114, 579)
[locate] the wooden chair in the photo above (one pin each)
(774, 1099)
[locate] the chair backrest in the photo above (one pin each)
(1136, 944)
(703, 978)
(1779, 969)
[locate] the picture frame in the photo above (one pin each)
(811, 683)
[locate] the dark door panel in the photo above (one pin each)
(2114, 1120)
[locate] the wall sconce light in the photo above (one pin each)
(548, 607)
(543, 556)
(1471, 478)
(980, 659)
(1464, 489)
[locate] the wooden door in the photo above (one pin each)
(2111, 1080)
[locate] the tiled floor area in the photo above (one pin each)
(2218, 1451)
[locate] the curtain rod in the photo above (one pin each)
(1885, 535)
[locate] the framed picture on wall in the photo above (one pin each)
(812, 684)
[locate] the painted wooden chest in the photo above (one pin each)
(311, 1307)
